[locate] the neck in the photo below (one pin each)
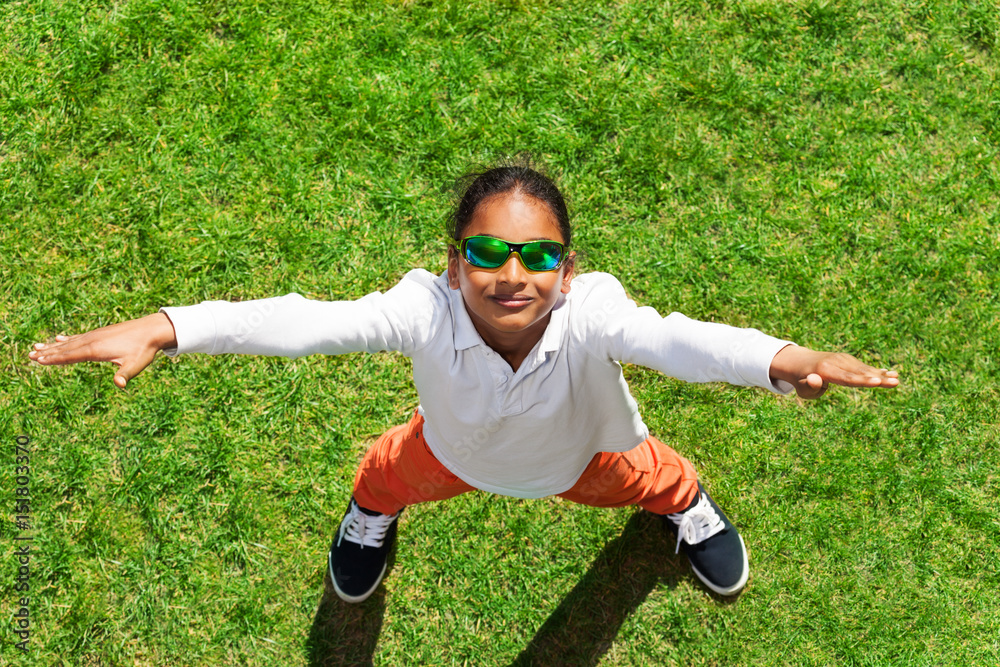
(512, 346)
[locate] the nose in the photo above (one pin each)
(512, 272)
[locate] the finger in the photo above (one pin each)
(46, 349)
(857, 374)
(889, 378)
(41, 348)
(68, 350)
(874, 379)
(811, 386)
(805, 390)
(850, 372)
(60, 339)
(59, 354)
(125, 373)
(128, 369)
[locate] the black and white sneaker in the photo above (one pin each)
(712, 544)
(360, 552)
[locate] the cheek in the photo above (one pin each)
(472, 284)
(552, 287)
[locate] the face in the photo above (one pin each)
(510, 306)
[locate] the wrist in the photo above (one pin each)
(161, 331)
(786, 364)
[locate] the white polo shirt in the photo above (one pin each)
(526, 434)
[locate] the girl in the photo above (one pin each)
(517, 364)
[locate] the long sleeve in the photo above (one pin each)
(676, 345)
(293, 326)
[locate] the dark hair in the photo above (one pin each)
(511, 179)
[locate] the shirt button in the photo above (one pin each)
(502, 379)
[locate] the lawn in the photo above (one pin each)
(824, 171)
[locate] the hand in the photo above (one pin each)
(811, 372)
(130, 345)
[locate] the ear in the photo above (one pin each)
(568, 269)
(453, 260)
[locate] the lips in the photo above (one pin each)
(511, 300)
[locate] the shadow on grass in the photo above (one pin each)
(579, 632)
(343, 633)
(584, 626)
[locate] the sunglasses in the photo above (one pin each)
(487, 252)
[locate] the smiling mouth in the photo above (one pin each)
(511, 300)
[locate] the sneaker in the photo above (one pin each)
(712, 544)
(360, 552)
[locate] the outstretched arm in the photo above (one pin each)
(130, 345)
(810, 372)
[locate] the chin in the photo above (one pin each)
(510, 327)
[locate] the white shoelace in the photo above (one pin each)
(697, 524)
(363, 529)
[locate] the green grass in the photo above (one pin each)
(823, 171)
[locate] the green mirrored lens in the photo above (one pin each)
(485, 252)
(541, 255)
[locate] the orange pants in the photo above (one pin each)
(400, 470)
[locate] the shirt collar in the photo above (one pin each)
(466, 335)
(553, 335)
